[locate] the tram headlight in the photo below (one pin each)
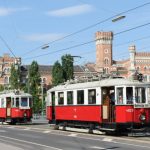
(142, 117)
(25, 114)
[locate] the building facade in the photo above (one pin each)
(5, 66)
(137, 62)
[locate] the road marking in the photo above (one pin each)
(98, 139)
(27, 129)
(11, 127)
(95, 147)
(72, 134)
(30, 142)
(46, 131)
(2, 131)
(107, 140)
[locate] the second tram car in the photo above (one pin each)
(106, 105)
(15, 107)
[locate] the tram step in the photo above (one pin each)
(8, 120)
(106, 129)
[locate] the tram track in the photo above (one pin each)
(74, 132)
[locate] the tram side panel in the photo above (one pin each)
(20, 113)
(79, 113)
(49, 113)
(129, 114)
(2, 112)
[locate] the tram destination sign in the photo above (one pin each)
(141, 105)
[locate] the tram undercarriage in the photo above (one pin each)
(13, 121)
(108, 128)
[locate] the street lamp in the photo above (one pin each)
(118, 18)
(42, 84)
(45, 47)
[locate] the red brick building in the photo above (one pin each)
(5, 66)
(138, 61)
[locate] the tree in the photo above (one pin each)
(57, 74)
(1, 88)
(15, 77)
(34, 82)
(67, 66)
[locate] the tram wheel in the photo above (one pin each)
(13, 122)
(91, 129)
(56, 127)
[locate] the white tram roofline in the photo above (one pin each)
(101, 83)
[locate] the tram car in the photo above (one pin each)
(15, 107)
(109, 105)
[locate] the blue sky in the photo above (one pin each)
(26, 25)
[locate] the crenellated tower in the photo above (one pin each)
(132, 51)
(104, 51)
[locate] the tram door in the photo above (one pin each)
(53, 106)
(108, 104)
(8, 106)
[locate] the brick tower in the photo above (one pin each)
(104, 51)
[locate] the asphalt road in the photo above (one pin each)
(31, 138)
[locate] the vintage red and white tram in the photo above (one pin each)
(15, 106)
(108, 104)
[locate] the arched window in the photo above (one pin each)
(106, 70)
(44, 80)
(137, 68)
(106, 61)
(145, 68)
(6, 80)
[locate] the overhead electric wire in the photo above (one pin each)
(88, 27)
(143, 38)
(85, 43)
(139, 39)
(2, 39)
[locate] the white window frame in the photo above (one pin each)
(124, 95)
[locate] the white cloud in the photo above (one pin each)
(8, 11)
(71, 11)
(43, 37)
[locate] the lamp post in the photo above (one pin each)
(42, 84)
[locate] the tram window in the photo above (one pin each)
(70, 97)
(80, 97)
(13, 102)
(129, 95)
(30, 102)
(2, 103)
(92, 96)
(120, 95)
(148, 95)
(17, 102)
(140, 95)
(60, 98)
(24, 102)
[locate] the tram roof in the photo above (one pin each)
(101, 83)
(14, 94)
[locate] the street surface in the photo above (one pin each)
(42, 137)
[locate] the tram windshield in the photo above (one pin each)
(24, 101)
(129, 95)
(140, 96)
(120, 95)
(17, 102)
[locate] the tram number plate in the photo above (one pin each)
(142, 106)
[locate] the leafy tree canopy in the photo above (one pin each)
(67, 65)
(57, 74)
(34, 82)
(15, 77)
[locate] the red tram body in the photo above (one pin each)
(106, 105)
(15, 107)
